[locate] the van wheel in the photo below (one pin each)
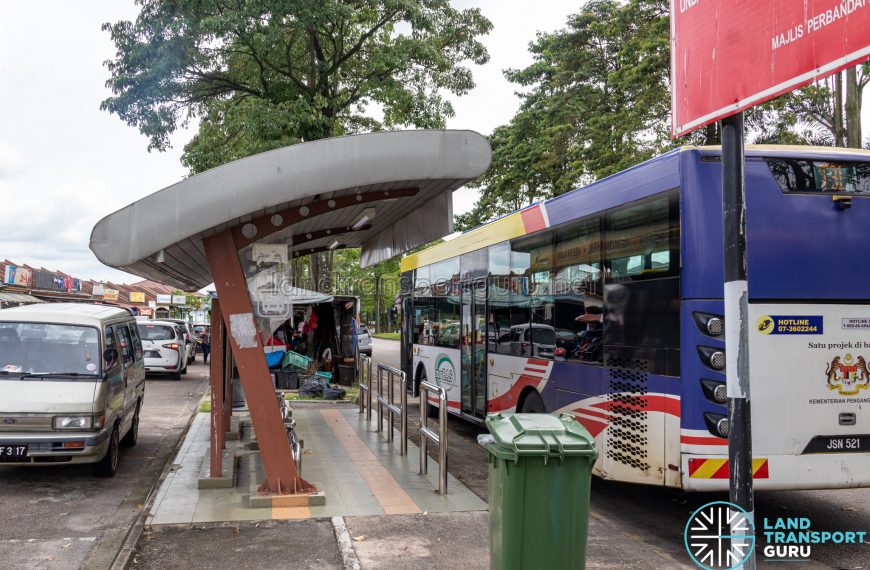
(175, 375)
(184, 370)
(133, 435)
(533, 404)
(108, 465)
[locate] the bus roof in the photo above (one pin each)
(534, 217)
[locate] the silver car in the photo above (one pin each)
(364, 341)
(165, 348)
(72, 383)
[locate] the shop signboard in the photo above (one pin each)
(179, 300)
(136, 297)
(164, 299)
(99, 289)
(110, 294)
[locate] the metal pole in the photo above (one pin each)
(404, 418)
(360, 380)
(369, 391)
(442, 444)
(380, 407)
(390, 414)
(424, 412)
(736, 307)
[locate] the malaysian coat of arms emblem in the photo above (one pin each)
(848, 375)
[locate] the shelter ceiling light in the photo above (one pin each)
(367, 215)
(334, 244)
(161, 257)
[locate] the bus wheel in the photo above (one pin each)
(533, 404)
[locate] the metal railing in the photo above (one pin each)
(427, 434)
(391, 406)
(364, 377)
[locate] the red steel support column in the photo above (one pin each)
(247, 348)
(216, 381)
(228, 382)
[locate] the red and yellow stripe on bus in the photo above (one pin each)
(700, 468)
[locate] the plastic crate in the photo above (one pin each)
(296, 359)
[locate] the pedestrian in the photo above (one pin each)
(206, 345)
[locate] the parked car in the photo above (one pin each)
(364, 341)
(165, 348)
(521, 343)
(189, 338)
(72, 382)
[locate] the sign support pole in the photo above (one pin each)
(736, 333)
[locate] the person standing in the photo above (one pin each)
(206, 345)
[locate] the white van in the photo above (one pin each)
(72, 382)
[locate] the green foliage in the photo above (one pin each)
(595, 102)
(262, 74)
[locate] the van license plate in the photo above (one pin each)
(838, 444)
(13, 452)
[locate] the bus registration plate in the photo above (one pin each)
(838, 444)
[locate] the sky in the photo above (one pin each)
(64, 164)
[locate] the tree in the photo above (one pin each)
(263, 74)
(266, 73)
(595, 101)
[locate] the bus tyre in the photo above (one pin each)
(533, 404)
(108, 465)
(132, 435)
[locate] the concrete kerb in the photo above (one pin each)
(345, 545)
(134, 533)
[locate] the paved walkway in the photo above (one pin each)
(344, 457)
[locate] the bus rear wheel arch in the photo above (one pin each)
(531, 402)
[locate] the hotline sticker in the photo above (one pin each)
(91, 367)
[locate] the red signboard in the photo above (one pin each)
(727, 55)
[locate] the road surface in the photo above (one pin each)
(65, 518)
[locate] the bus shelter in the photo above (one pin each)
(238, 225)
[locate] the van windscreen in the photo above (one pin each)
(40, 348)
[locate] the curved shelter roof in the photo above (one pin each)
(385, 192)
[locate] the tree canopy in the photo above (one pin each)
(262, 74)
(596, 101)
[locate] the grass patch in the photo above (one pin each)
(205, 406)
(388, 335)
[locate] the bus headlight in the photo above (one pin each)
(713, 357)
(711, 325)
(717, 424)
(715, 326)
(715, 391)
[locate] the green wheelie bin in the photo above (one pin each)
(540, 467)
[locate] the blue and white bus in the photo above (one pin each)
(606, 303)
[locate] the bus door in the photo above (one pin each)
(473, 348)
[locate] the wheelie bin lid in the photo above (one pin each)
(523, 435)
